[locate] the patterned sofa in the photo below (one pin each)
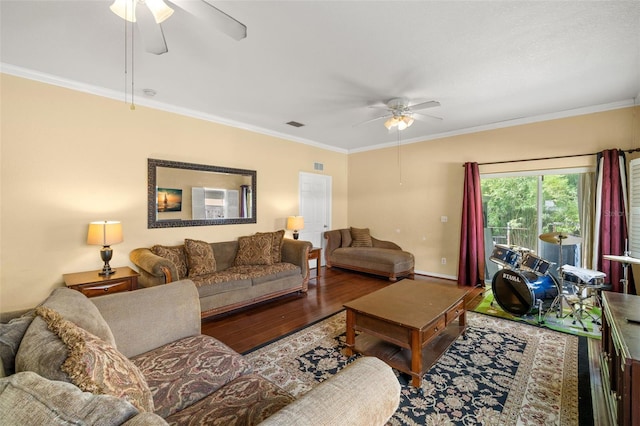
(355, 249)
(230, 274)
(138, 358)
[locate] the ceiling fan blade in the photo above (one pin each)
(372, 119)
(208, 12)
(424, 105)
(150, 31)
(379, 106)
(425, 117)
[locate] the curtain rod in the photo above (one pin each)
(550, 158)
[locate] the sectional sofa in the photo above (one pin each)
(138, 358)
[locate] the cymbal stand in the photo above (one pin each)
(625, 267)
(625, 280)
(562, 297)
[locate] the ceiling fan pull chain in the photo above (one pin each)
(399, 165)
(133, 105)
(126, 64)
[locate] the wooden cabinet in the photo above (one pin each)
(620, 362)
(92, 284)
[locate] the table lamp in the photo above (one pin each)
(295, 223)
(105, 234)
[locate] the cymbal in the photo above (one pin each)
(560, 238)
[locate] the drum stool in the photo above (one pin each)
(565, 296)
(585, 291)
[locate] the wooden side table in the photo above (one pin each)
(314, 253)
(92, 284)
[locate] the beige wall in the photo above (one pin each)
(405, 203)
(68, 158)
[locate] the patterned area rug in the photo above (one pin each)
(498, 373)
(565, 324)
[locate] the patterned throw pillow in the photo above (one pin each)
(174, 254)
(97, 367)
(254, 250)
(361, 237)
(277, 239)
(199, 257)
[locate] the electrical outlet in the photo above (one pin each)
(444, 260)
(444, 219)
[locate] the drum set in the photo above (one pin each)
(524, 284)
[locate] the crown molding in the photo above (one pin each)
(142, 101)
(510, 123)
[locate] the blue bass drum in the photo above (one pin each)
(518, 292)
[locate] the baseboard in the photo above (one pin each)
(433, 274)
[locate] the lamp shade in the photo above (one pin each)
(104, 233)
(295, 222)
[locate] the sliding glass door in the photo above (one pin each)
(519, 208)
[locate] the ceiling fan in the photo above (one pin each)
(149, 14)
(401, 114)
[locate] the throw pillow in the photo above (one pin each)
(200, 258)
(346, 238)
(11, 334)
(95, 366)
(361, 237)
(175, 255)
(277, 239)
(41, 351)
(254, 250)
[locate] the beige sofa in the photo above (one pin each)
(231, 274)
(143, 361)
(355, 249)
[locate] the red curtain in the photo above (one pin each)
(471, 266)
(612, 226)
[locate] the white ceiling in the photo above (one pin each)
(323, 63)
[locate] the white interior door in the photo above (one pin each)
(315, 207)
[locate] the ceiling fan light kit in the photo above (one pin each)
(126, 9)
(401, 112)
(149, 14)
(402, 121)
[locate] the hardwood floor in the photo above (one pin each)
(251, 327)
(245, 329)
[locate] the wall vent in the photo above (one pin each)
(318, 166)
(295, 124)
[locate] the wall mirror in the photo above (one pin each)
(187, 194)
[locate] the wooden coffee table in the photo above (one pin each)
(408, 324)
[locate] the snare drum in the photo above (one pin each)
(520, 292)
(581, 276)
(535, 264)
(505, 256)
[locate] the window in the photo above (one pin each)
(519, 207)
